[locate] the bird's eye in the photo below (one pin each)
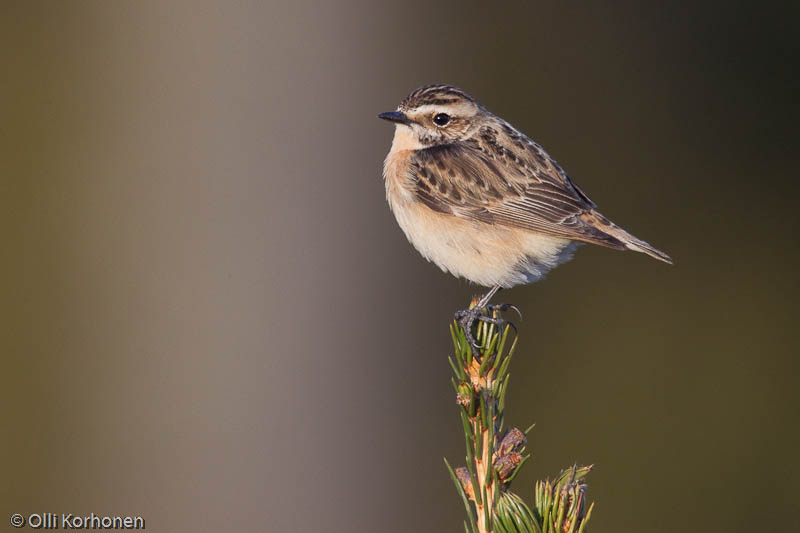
(441, 119)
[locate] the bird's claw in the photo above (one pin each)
(467, 317)
(503, 308)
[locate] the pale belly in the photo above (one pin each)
(481, 253)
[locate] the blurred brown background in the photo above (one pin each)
(211, 319)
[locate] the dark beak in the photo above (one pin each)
(395, 116)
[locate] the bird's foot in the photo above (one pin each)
(502, 308)
(467, 317)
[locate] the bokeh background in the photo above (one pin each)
(210, 318)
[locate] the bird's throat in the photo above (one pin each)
(405, 139)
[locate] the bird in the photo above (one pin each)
(481, 200)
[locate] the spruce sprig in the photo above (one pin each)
(495, 455)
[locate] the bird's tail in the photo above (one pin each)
(638, 245)
(626, 239)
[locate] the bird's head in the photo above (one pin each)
(436, 114)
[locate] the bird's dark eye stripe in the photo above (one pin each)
(441, 119)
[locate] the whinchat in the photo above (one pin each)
(481, 200)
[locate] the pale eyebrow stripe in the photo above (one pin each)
(455, 109)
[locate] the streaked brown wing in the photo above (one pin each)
(501, 177)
